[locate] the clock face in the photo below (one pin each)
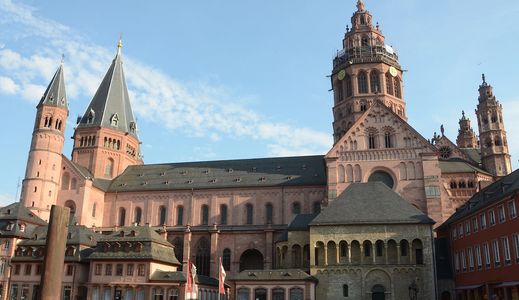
(341, 74)
(393, 71)
(445, 152)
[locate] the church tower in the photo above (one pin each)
(466, 136)
(41, 182)
(492, 135)
(365, 70)
(105, 139)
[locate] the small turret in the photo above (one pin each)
(466, 136)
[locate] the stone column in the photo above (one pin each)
(398, 253)
(349, 253)
(337, 251)
(386, 260)
(53, 262)
(361, 253)
(410, 249)
(325, 255)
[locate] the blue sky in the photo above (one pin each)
(241, 79)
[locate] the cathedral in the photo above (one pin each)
(354, 223)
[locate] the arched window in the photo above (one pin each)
(404, 247)
(342, 175)
(162, 215)
(226, 259)
(278, 294)
(345, 291)
(269, 211)
(202, 259)
(122, 216)
(454, 185)
(243, 294)
(371, 140)
(94, 210)
(362, 80)
(347, 86)
(65, 181)
(316, 207)
(462, 184)
(249, 214)
(383, 177)
(389, 139)
(367, 248)
(109, 167)
(223, 214)
(363, 105)
(340, 90)
(204, 218)
(73, 184)
(398, 92)
(470, 184)
(296, 208)
(296, 294)
(137, 218)
(389, 84)
(374, 82)
(251, 259)
(180, 215)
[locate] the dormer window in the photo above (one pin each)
(91, 116)
(114, 120)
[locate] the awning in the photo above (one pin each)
(468, 287)
(507, 284)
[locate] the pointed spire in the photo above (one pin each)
(120, 44)
(110, 107)
(55, 94)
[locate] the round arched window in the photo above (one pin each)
(383, 177)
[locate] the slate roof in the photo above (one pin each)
(301, 222)
(154, 247)
(15, 214)
(459, 166)
(261, 172)
(473, 153)
(273, 275)
(370, 203)
(55, 94)
(179, 276)
(111, 99)
(496, 191)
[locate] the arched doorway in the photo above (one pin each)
(251, 259)
(378, 292)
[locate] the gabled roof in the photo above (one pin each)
(473, 153)
(55, 94)
(301, 222)
(370, 203)
(378, 104)
(493, 193)
(443, 141)
(262, 172)
(17, 211)
(111, 101)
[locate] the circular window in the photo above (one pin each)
(445, 152)
(383, 177)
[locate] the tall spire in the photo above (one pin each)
(55, 94)
(110, 107)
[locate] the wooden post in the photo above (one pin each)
(55, 253)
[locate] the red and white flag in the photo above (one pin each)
(191, 289)
(221, 279)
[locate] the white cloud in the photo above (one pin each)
(199, 109)
(8, 86)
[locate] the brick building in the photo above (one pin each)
(483, 237)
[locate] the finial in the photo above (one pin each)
(347, 28)
(62, 58)
(360, 5)
(120, 44)
(442, 130)
(483, 77)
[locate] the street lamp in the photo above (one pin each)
(413, 291)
